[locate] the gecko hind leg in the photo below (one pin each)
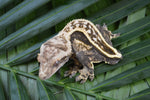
(104, 27)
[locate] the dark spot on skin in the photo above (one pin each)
(67, 29)
(72, 23)
(64, 48)
(73, 26)
(80, 25)
(86, 74)
(56, 63)
(58, 46)
(91, 71)
(83, 76)
(81, 21)
(87, 28)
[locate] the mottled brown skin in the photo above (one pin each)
(82, 41)
(88, 55)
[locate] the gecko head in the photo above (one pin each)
(52, 57)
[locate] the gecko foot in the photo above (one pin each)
(115, 35)
(72, 72)
(85, 73)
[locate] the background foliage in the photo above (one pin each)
(25, 25)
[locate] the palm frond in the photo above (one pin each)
(21, 38)
(2, 97)
(47, 21)
(19, 12)
(4, 3)
(140, 95)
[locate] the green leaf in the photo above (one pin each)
(44, 93)
(132, 75)
(132, 31)
(17, 89)
(117, 11)
(19, 12)
(2, 96)
(45, 22)
(59, 13)
(43, 90)
(4, 3)
(134, 53)
(69, 95)
(143, 95)
(26, 55)
(98, 97)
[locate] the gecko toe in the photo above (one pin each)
(67, 73)
(83, 81)
(85, 73)
(78, 78)
(72, 72)
(91, 77)
(81, 78)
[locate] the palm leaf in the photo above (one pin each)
(2, 97)
(44, 93)
(132, 75)
(132, 31)
(141, 95)
(118, 11)
(17, 90)
(68, 94)
(19, 12)
(4, 3)
(43, 23)
(24, 27)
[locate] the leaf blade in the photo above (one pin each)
(145, 94)
(43, 92)
(68, 94)
(2, 96)
(132, 75)
(132, 31)
(4, 3)
(118, 11)
(17, 90)
(48, 20)
(19, 12)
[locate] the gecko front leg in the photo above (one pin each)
(74, 68)
(85, 57)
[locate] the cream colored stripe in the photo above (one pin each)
(118, 55)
